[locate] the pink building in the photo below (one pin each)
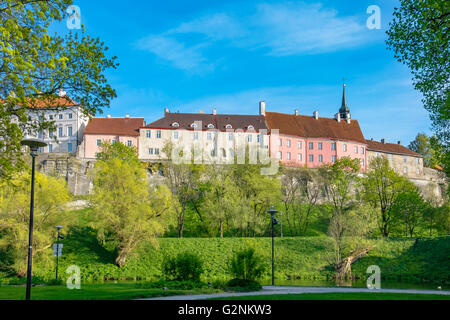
(98, 130)
(312, 141)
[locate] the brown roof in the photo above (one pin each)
(308, 127)
(220, 121)
(390, 148)
(115, 126)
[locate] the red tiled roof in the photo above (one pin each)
(308, 127)
(115, 126)
(220, 121)
(390, 148)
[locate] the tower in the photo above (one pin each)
(344, 111)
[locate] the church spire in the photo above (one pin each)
(344, 111)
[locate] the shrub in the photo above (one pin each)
(243, 285)
(172, 285)
(185, 266)
(246, 265)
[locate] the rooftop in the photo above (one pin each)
(390, 148)
(115, 126)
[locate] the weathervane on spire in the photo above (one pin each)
(344, 110)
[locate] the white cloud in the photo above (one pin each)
(276, 29)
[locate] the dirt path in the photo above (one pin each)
(269, 290)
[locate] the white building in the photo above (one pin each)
(70, 122)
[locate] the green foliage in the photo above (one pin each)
(173, 284)
(185, 266)
(126, 211)
(35, 65)
(51, 196)
(245, 265)
(409, 207)
(243, 285)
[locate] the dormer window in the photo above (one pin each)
(210, 126)
(250, 128)
(175, 124)
(229, 126)
(194, 125)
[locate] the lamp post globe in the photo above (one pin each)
(273, 221)
(34, 145)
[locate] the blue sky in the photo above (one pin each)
(199, 55)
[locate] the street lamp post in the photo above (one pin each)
(34, 145)
(273, 222)
(60, 236)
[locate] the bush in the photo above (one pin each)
(246, 265)
(185, 266)
(242, 285)
(172, 285)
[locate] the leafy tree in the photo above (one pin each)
(382, 186)
(418, 35)
(443, 219)
(246, 265)
(126, 211)
(421, 145)
(409, 206)
(51, 196)
(34, 65)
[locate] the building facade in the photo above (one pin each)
(403, 160)
(109, 129)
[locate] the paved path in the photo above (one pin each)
(269, 290)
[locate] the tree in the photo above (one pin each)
(126, 211)
(418, 35)
(382, 186)
(51, 196)
(410, 207)
(421, 145)
(34, 66)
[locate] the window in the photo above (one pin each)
(250, 138)
(362, 150)
(130, 143)
(175, 124)
(195, 135)
(50, 133)
(40, 134)
(418, 171)
(311, 158)
(362, 162)
(213, 153)
(156, 151)
(258, 138)
(250, 128)
(60, 132)
(60, 117)
(288, 156)
(210, 126)
(333, 146)
(299, 157)
(99, 143)
(148, 134)
(158, 134)
(113, 141)
(299, 144)
(70, 116)
(193, 125)
(50, 148)
(390, 157)
(320, 158)
(230, 136)
(405, 170)
(175, 134)
(417, 160)
(50, 117)
(150, 151)
(345, 147)
(69, 147)
(280, 142)
(209, 136)
(288, 143)
(378, 154)
(320, 146)
(224, 153)
(356, 149)
(229, 126)
(333, 158)
(280, 155)
(41, 118)
(404, 159)
(69, 131)
(311, 146)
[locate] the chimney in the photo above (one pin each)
(383, 141)
(61, 93)
(166, 111)
(399, 142)
(262, 108)
(214, 111)
(316, 114)
(337, 116)
(296, 112)
(127, 115)
(348, 120)
(108, 116)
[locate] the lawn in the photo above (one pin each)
(121, 291)
(343, 296)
